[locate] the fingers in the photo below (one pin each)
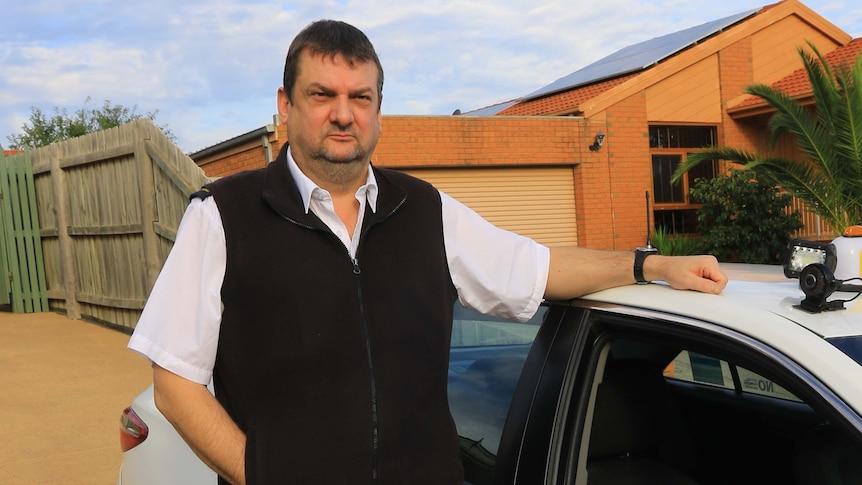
(710, 278)
(698, 273)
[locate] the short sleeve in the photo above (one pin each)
(495, 271)
(179, 326)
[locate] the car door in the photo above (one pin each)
(604, 398)
(486, 360)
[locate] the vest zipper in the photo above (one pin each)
(375, 439)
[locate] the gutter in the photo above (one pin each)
(261, 133)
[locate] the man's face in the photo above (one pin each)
(334, 118)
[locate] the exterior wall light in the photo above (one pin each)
(600, 140)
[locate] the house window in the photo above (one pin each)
(673, 208)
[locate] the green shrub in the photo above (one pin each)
(675, 244)
(743, 218)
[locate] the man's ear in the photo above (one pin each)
(283, 105)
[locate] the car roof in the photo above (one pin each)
(753, 291)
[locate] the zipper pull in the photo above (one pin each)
(356, 266)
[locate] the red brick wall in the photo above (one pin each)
(593, 191)
(737, 73)
(446, 141)
(246, 157)
(630, 170)
(434, 141)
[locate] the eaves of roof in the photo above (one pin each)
(796, 84)
(233, 142)
(491, 110)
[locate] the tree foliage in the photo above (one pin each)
(829, 177)
(743, 218)
(42, 129)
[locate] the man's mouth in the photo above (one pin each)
(341, 136)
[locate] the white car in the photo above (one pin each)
(153, 451)
(638, 384)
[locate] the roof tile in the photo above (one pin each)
(567, 101)
(796, 84)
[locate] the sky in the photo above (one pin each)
(210, 69)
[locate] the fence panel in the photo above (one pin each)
(814, 229)
(22, 262)
(115, 199)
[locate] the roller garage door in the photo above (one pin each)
(537, 202)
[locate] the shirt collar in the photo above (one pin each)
(307, 187)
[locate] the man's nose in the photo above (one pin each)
(341, 113)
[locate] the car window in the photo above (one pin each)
(703, 369)
(485, 361)
(658, 411)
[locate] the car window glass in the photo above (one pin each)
(473, 329)
(699, 368)
(485, 362)
(703, 369)
(659, 414)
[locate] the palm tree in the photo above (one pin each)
(829, 177)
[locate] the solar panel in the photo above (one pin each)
(639, 56)
(491, 110)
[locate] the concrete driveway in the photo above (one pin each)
(63, 385)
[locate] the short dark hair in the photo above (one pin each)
(330, 38)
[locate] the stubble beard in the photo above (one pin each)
(341, 170)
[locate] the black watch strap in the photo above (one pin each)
(640, 256)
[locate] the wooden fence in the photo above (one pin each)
(109, 204)
(815, 229)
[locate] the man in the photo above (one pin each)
(318, 292)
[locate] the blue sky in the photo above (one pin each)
(211, 69)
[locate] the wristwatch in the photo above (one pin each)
(640, 256)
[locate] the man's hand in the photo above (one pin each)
(699, 273)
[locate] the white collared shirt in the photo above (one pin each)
(319, 201)
(494, 271)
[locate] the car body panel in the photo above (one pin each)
(163, 457)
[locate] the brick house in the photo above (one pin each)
(538, 165)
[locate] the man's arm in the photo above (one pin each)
(577, 271)
(202, 422)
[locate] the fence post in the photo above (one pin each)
(5, 270)
(67, 253)
(152, 261)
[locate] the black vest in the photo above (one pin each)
(336, 369)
